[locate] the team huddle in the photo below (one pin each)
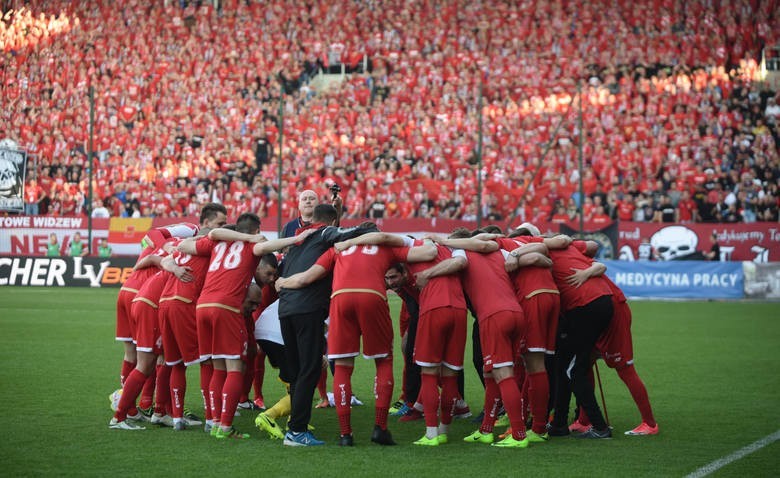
(209, 295)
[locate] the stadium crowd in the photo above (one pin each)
(188, 109)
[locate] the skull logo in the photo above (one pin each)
(674, 242)
(9, 178)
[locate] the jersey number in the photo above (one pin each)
(367, 250)
(231, 260)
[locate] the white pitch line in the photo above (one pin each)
(720, 463)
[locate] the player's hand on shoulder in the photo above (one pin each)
(578, 277)
(420, 280)
(342, 246)
(435, 238)
(304, 234)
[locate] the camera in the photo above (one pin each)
(335, 189)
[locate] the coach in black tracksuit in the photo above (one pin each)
(302, 312)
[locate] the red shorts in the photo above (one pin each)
(179, 332)
(541, 316)
(353, 314)
(124, 329)
(223, 333)
(441, 338)
(147, 327)
(615, 344)
(501, 337)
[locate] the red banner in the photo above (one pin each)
(758, 241)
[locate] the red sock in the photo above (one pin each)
(539, 393)
(342, 395)
(513, 404)
(127, 367)
(429, 397)
(520, 373)
(163, 390)
(133, 385)
(178, 389)
(492, 404)
(246, 380)
(206, 371)
(259, 374)
(383, 387)
(322, 385)
(231, 391)
(147, 394)
(215, 393)
(449, 397)
(638, 392)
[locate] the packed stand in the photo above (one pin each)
(188, 109)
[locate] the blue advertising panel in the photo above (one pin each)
(678, 279)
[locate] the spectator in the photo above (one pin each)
(53, 246)
(714, 253)
(99, 210)
(77, 248)
(104, 250)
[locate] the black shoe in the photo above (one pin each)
(382, 437)
(346, 440)
(478, 418)
(556, 431)
(596, 434)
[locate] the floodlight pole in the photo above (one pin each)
(279, 163)
(90, 169)
(579, 153)
(479, 156)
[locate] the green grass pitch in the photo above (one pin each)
(711, 369)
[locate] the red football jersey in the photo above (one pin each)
(231, 268)
(616, 292)
(564, 260)
(140, 276)
(362, 268)
(528, 279)
(487, 284)
(187, 291)
(442, 291)
(152, 289)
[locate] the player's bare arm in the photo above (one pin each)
(184, 274)
(579, 276)
(452, 265)
(529, 248)
(473, 244)
(561, 241)
(222, 234)
(276, 244)
(536, 259)
(187, 246)
(301, 279)
(426, 252)
(152, 260)
(372, 239)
